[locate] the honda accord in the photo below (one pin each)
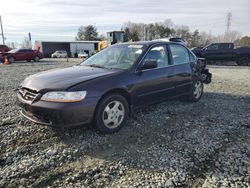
(106, 88)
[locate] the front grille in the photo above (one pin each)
(28, 94)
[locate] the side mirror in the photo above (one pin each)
(149, 64)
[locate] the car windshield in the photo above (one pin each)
(121, 56)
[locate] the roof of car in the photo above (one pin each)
(149, 43)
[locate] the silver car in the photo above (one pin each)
(59, 54)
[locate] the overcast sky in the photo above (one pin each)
(60, 19)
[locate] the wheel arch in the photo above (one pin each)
(11, 56)
(119, 91)
(242, 55)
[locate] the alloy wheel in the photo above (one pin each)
(197, 89)
(113, 114)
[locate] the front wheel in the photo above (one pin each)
(11, 60)
(196, 91)
(111, 114)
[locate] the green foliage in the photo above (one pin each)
(87, 33)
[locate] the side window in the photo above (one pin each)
(180, 54)
(213, 47)
(224, 46)
(158, 54)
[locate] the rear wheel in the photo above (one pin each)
(243, 61)
(36, 59)
(11, 60)
(111, 114)
(196, 91)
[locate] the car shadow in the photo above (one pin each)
(164, 135)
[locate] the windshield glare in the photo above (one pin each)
(118, 56)
(13, 51)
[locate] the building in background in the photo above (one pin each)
(71, 47)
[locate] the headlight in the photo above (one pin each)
(61, 96)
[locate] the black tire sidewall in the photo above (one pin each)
(98, 122)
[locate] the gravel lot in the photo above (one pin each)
(172, 144)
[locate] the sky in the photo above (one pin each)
(59, 20)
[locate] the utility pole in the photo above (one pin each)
(228, 26)
(2, 30)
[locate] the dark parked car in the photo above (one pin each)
(22, 55)
(107, 87)
(225, 52)
(4, 48)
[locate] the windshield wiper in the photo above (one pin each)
(96, 66)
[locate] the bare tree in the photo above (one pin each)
(26, 43)
(234, 35)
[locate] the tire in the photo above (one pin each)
(28, 60)
(11, 60)
(111, 114)
(36, 59)
(243, 61)
(196, 91)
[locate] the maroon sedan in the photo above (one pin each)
(4, 48)
(22, 55)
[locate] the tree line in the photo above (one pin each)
(144, 32)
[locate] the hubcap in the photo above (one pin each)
(197, 89)
(113, 114)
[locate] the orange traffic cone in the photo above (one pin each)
(6, 61)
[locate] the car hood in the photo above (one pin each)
(62, 79)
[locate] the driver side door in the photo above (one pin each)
(155, 84)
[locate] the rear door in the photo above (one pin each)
(181, 70)
(31, 55)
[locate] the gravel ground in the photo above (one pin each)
(172, 144)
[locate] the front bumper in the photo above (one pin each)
(59, 114)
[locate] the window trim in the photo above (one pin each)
(188, 51)
(170, 58)
(146, 53)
